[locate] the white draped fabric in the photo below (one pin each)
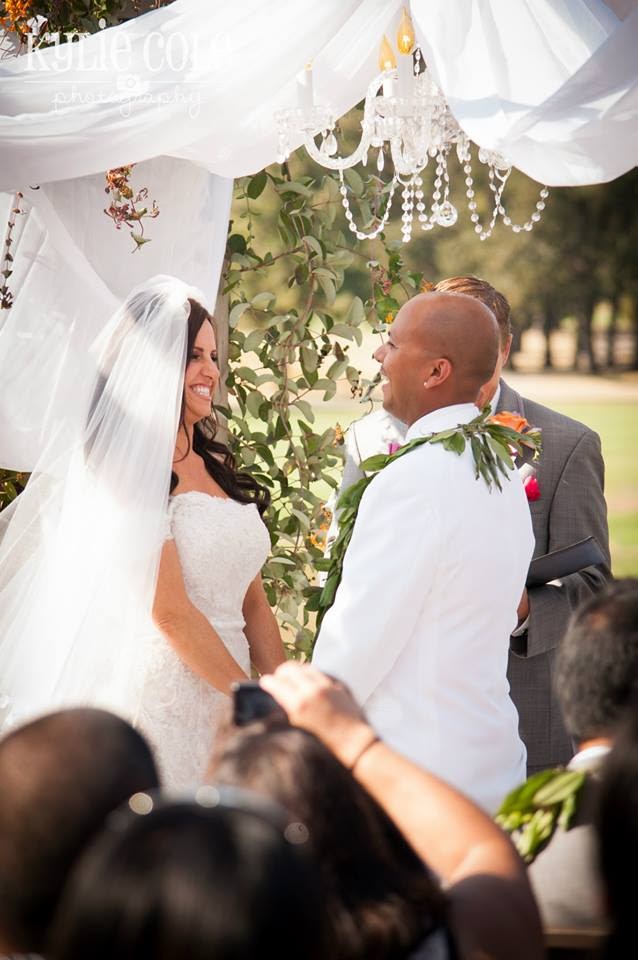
(72, 268)
(202, 82)
(553, 84)
(189, 92)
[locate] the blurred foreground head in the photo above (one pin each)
(597, 664)
(207, 880)
(381, 899)
(618, 837)
(60, 776)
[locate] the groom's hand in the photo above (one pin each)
(321, 705)
(523, 608)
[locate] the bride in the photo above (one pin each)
(130, 566)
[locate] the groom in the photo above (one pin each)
(436, 566)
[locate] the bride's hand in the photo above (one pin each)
(321, 705)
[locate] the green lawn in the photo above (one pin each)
(616, 424)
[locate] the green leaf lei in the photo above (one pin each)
(531, 812)
(491, 445)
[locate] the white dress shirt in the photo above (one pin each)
(421, 622)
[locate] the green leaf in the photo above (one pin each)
(343, 330)
(305, 409)
(257, 184)
(245, 373)
(237, 311)
(356, 313)
(262, 301)
(455, 443)
(337, 369)
(387, 305)
(522, 797)
(559, 788)
(314, 245)
(329, 289)
(293, 186)
(237, 243)
(354, 181)
(353, 493)
(253, 402)
(374, 463)
(309, 358)
(500, 450)
(253, 341)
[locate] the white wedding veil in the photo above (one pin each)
(79, 548)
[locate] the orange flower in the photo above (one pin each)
(17, 9)
(512, 420)
(389, 318)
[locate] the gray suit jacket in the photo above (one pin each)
(571, 507)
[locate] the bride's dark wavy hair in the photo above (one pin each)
(218, 459)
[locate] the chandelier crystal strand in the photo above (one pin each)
(405, 110)
(529, 225)
(360, 234)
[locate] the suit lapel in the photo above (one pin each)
(510, 401)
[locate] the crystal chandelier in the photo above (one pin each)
(404, 109)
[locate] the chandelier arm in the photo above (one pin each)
(402, 166)
(335, 163)
(405, 123)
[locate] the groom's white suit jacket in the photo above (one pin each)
(422, 619)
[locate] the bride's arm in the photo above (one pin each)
(262, 630)
(187, 629)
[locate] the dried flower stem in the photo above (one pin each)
(6, 297)
(123, 207)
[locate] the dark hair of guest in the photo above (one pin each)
(186, 881)
(381, 897)
(617, 822)
(61, 776)
(218, 459)
(597, 662)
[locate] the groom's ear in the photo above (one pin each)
(438, 372)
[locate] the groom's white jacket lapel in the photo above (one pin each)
(421, 623)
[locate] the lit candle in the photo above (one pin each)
(405, 67)
(406, 37)
(405, 45)
(305, 92)
(387, 61)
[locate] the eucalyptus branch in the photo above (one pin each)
(269, 263)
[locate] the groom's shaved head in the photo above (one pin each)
(461, 329)
(441, 349)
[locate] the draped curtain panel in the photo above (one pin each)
(189, 92)
(551, 83)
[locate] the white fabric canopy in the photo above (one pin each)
(189, 92)
(551, 83)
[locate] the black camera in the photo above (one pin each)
(251, 702)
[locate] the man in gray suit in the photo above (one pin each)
(571, 506)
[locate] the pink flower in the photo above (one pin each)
(532, 488)
(393, 447)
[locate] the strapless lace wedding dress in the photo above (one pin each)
(222, 546)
